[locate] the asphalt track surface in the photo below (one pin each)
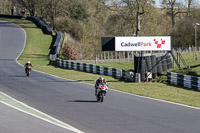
(14, 121)
(11, 119)
(74, 103)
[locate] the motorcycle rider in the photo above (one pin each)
(101, 80)
(27, 64)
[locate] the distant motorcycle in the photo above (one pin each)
(28, 70)
(101, 92)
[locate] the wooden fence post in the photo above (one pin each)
(112, 56)
(124, 55)
(119, 57)
(127, 56)
(132, 56)
(101, 57)
(115, 56)
(104, 56)
(96, 60)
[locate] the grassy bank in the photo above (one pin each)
(37, 49)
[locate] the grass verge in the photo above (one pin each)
(37, 50)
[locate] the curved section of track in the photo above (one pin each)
(74, 102)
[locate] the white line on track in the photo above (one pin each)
(57, 122)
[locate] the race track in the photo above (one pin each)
(74, 102)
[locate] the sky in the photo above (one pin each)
(157, 3)
(197, 2)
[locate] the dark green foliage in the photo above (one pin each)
(79, 12)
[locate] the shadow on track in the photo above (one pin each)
(83, 101)
(19, 76)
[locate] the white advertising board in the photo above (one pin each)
(152, 43)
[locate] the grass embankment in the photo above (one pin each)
(37, 50)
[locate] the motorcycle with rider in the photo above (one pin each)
(28, 66)
(101, 88)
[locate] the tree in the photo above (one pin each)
(183, 33)
(5, 6)
(73, 9)
(175, 7)
(132, 11)
(155, 23)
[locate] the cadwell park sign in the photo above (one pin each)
(149, 43)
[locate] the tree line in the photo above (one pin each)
(89, 20)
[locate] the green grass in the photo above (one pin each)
(37, 49)
(120, 65)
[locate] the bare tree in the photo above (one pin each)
(131, 11)
(175, 7)
(5, 6)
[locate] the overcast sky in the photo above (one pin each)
(197, 2)
(157, 3)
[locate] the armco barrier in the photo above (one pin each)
(124, 74)
(41, 24)
(58, 42)
(186, 81)
(56, 46)
(11, 16)
(90, 68)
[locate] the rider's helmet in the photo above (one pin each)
(29, 62)
(101, 79)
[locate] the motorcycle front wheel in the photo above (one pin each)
(27, 73)
(101, 97)
(98, 98)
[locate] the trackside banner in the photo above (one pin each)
(152, 43)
